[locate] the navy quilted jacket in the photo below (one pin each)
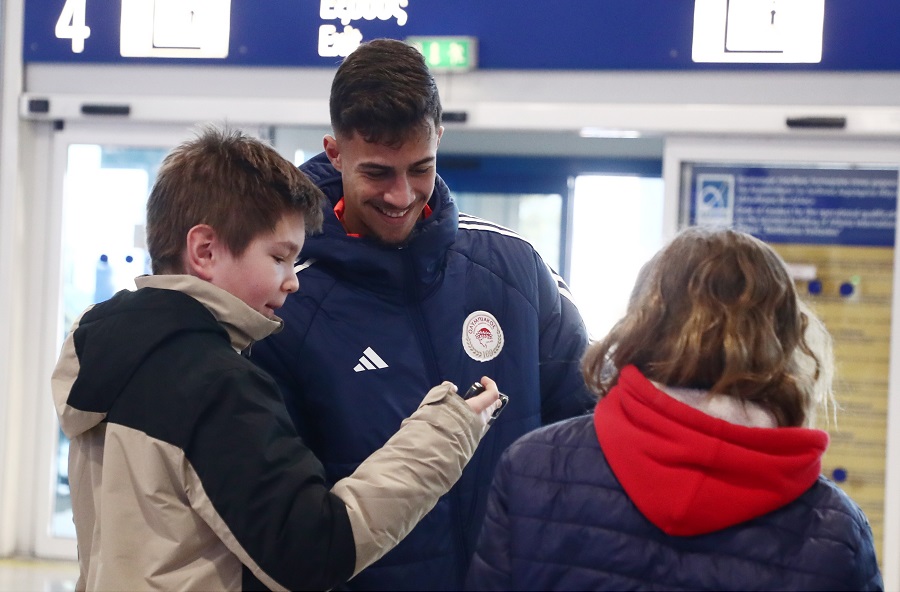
(559, 519)
(373, 327)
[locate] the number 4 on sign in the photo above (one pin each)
(71, 24)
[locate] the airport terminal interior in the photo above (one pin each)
(595, 130)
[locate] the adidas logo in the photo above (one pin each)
(369, 361)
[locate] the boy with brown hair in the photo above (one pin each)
(185, 469)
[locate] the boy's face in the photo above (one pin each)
(263, 275)
(385, 188)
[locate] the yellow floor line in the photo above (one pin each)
(31, 562)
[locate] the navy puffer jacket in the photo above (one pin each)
(559, 519)
(374, 326)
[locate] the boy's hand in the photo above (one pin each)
(486, 403)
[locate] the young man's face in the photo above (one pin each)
(263, 275)
(385, 188)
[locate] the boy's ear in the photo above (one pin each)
(201, 251)
(332, 151)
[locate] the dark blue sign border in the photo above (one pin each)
(512, 34)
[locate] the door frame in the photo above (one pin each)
(45, 285)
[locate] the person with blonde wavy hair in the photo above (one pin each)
(699, 468)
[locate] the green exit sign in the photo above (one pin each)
(447, 54)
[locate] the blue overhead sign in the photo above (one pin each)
(511, 34)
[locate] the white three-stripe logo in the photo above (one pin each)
(370, 361)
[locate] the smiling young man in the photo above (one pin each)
(400, 288)
(185, 470)
(386, 187)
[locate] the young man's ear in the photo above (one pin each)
(332, 151)
(201, 251)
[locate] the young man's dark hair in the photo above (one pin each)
(207, 180)
(383, 91)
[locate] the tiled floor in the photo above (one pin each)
(32, 575)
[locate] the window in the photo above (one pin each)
(537, 217)
(617, 226)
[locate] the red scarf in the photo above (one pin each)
(340, 208)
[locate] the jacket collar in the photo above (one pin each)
(387, 269)
(243, 324)
(727, 408)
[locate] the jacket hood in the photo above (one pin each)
(111, 339)
(690, 473)
(382, 267)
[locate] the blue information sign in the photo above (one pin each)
(511, 34)
(830, 206)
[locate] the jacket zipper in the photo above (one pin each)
(414, 302)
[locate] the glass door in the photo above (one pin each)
(617, 226)
(100, 179)
(576, 212)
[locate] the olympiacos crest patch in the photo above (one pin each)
(482, 337)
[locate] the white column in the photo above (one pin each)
(11, 257)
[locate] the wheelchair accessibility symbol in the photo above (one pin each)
(714, 200)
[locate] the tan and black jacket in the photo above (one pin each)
(185, 469)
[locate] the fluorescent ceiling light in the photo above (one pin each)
(600, 132)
